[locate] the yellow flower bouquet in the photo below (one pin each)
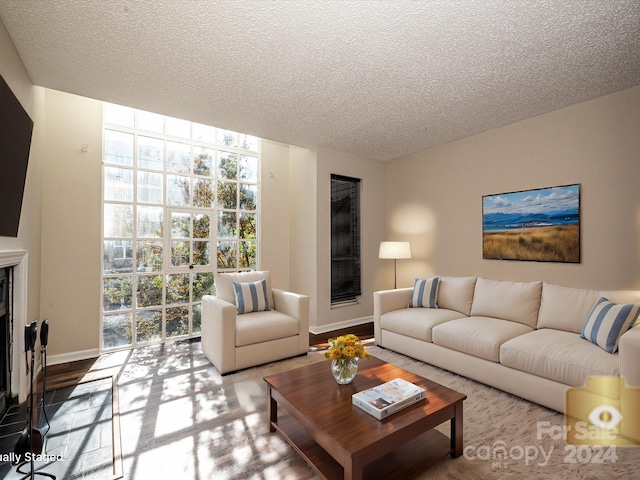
(344, 352)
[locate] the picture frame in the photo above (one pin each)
(541, 224)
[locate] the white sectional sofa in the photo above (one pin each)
(523, 338)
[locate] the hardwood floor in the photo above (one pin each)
(363, 332)
(72, 373)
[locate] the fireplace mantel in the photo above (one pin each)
(9, 258)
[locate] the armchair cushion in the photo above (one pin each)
(251, 296)
(264, 326)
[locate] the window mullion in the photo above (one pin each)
(138, 148)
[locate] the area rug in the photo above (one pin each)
(81, 434)
(505, 437)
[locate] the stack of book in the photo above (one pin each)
(388, 398)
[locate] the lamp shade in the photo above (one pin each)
(394, 250)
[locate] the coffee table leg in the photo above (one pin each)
(272, 410)
(456, 431)
(352, 470)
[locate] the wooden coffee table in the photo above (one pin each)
(340, 440)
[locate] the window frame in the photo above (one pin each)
(221, 142)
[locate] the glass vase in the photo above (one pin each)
(344, 370)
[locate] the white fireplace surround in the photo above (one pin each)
(19, 260)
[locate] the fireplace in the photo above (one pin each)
(13, 318)
(5, 332)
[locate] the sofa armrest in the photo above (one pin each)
(385, 301)
(218, 332)
(629, 348)
(295, 305)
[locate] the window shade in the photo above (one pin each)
(345, 238)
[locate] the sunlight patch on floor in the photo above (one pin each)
(174, 416)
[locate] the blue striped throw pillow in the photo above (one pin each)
(251, 296)
(607, 322)
(425, 293)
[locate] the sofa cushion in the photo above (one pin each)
(251, 296)
(260, 327)
(224, 284)
(565, 308)
(456, 293)
(560, 356)
(622, 296)
(514, 301)
(478, 336)
(424, 293)
(416, 322)
(607, 322)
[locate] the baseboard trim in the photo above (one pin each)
(73, 356)
(320, 329)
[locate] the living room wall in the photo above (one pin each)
(372, 206)
(71, 222)
(310, 232)
(71, 225)
(434, 198)
(31, 98)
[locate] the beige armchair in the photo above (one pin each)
(233, 341)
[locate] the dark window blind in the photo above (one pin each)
(345, 238)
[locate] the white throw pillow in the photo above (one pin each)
(251, 296)
(607, 322)
(425, 293)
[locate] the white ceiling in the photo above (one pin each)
(380, 79)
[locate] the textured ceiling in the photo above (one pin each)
(381, 79)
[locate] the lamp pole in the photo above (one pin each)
(395, 273)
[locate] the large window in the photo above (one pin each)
(345, 239)
(180, 202)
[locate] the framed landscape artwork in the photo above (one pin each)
(540, 225)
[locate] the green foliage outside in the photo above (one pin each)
(193, 241)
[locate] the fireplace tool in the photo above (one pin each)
(31, 439)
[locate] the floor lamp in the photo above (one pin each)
(394, 250)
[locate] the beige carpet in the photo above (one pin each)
(495, 419)
(180, 419)
(501, 434)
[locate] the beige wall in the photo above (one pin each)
(310, 231)
(71, 227)
(32, 100)
(434, 198)
(274, 213)
(371, 174)
(303, 233)
(71, 224)
(29, 238)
